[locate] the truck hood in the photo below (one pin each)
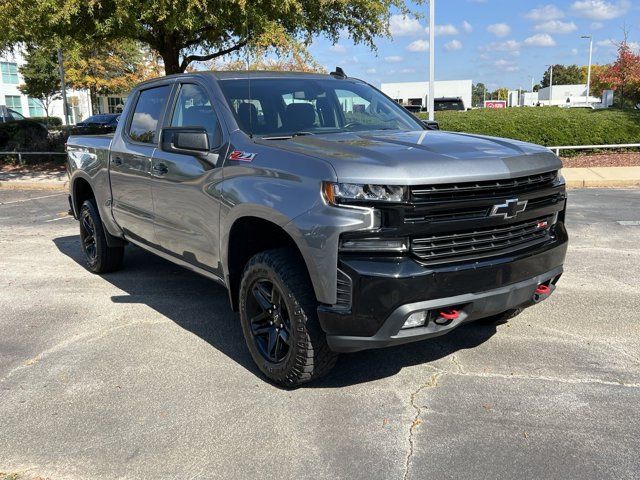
(414, 158)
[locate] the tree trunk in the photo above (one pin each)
(94, 99)
(171, 59)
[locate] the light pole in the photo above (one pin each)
(432, 57)
(589, 69)
(65, 108)
(550, 83)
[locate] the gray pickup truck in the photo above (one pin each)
(337, 220)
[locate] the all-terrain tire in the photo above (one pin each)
(308, 356)
(99, 256)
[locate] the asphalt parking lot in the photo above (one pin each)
(144, 374)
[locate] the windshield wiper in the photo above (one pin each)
(288, 137)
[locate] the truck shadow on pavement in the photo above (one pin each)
(201, 306)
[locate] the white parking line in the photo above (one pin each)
(59, 218)
(29, 199)
(629, 223)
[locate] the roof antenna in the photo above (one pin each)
(339, 73)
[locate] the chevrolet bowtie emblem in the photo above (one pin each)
(509, 209)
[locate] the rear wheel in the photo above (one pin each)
(279, 319)
(98, 255)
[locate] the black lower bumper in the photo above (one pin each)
(386, 291)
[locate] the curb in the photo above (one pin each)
(613, 183)
(26, 185)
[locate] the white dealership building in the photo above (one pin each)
(417, 93)
(78, 100)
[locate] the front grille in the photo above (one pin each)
(479, 243)
(492, 188)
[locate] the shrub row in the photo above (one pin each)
(549, 126)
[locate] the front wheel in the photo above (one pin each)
(280, 321)
(98, 255)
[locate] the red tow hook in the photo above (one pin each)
(541, 293)
(448, 316)
(543, 290)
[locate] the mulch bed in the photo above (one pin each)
(47, 167)
(603, 160)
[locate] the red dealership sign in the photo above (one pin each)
(495, 104)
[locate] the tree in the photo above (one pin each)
(290, 55)
(185, 31)
(41, 76)
(565, 75)
(623, 75)
(107, 68)
(477, 94)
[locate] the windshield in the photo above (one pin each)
(282, 107)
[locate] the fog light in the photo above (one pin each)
(417, 319)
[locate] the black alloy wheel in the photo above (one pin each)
(88, 237)
(270, 322)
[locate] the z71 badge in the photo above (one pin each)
(241, 156)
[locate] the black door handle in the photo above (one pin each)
(116, 161)
(160, 169)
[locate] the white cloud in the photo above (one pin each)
(393, 59)
(467, 27)
(337, 48)
(453, 45)
(544, 13)
(597, 26)
(556, 26)
(540, 40)
(401, 26)
(499, 29)
(371, 71)
(447, 29)
(600, 9)
(511, 46)
(506, 66)
(418, 46)
(574, 51)
(408, 70)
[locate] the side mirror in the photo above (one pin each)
(431, 125)
(185, 140)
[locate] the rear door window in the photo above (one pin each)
(147, 113)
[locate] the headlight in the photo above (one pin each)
(336, 193)
(374, 245)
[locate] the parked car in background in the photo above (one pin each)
(101, 123)
(20, 133)
(448, 103)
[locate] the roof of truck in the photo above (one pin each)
(243, 74)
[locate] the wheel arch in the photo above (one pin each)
(248, 236)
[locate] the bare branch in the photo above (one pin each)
(203, 58)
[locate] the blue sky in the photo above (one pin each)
(498, 42)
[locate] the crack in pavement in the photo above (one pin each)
(431, 383)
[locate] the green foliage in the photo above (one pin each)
(52, 121)
(565, 75)
(478, 93)
(23, 136)
(549, 126)
(41, 76)
(183, 31)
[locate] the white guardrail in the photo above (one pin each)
(556, 150)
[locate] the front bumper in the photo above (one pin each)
(386, 291)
